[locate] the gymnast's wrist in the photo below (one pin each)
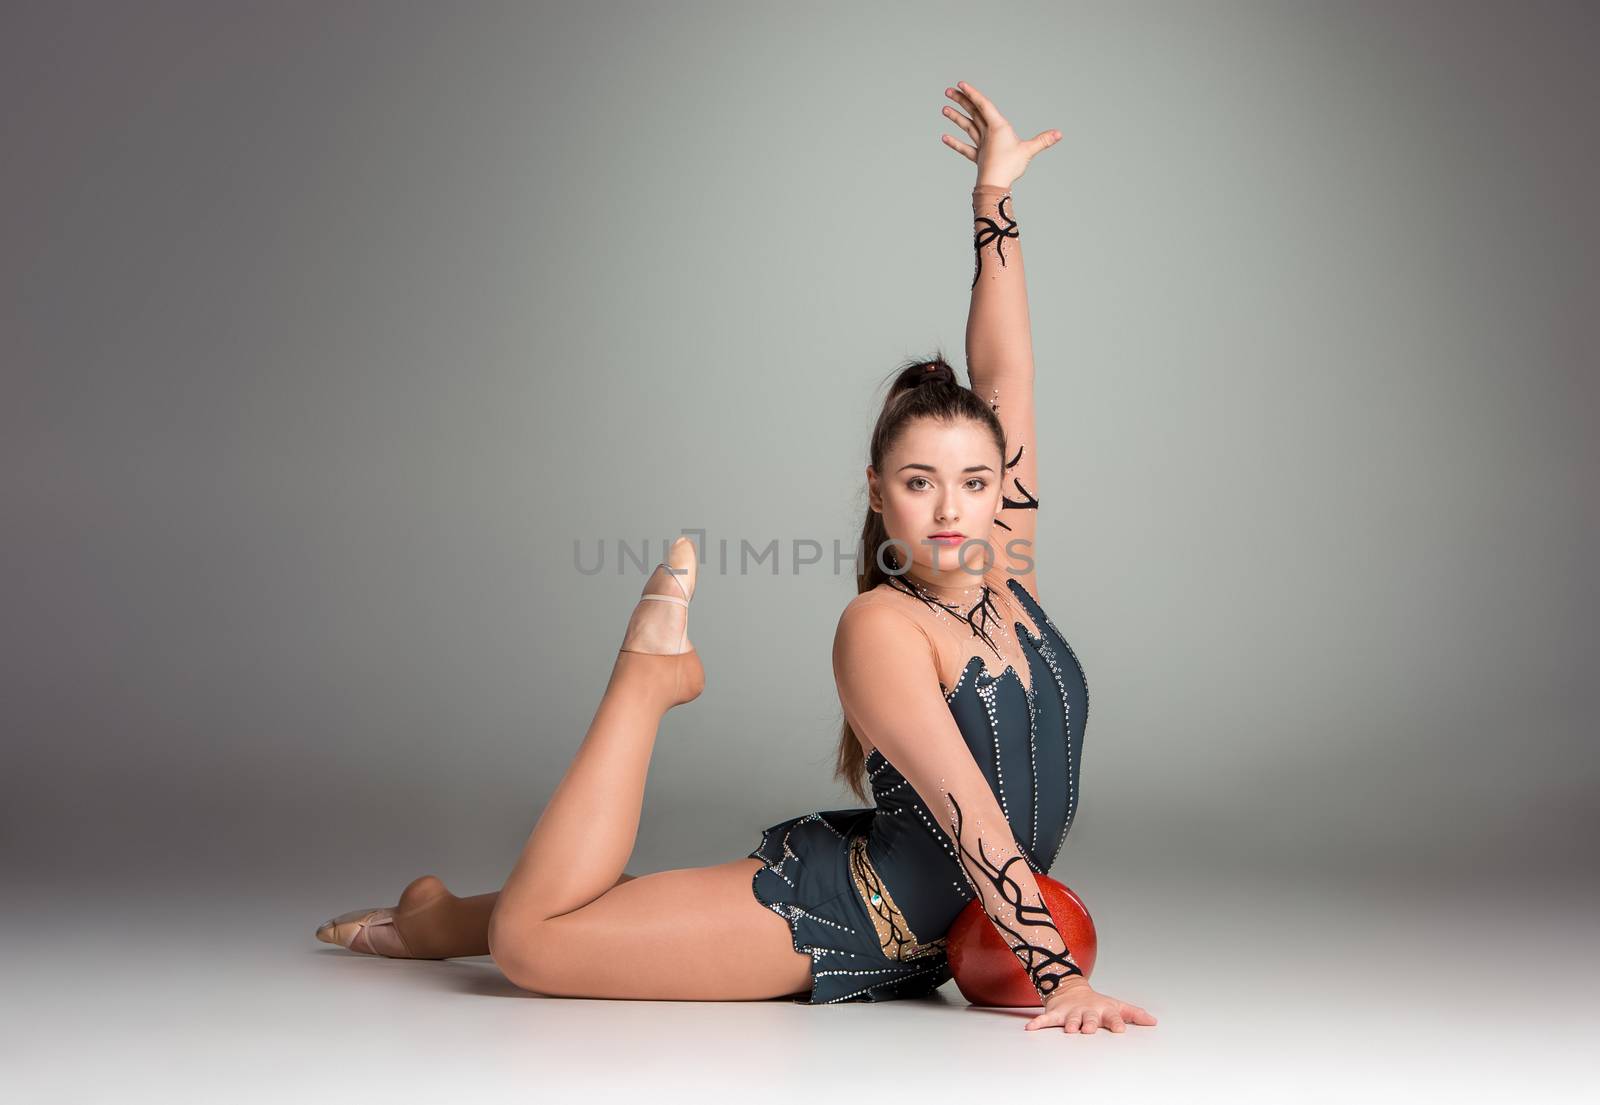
(1068, 986)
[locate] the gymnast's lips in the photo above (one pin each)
(947, 537)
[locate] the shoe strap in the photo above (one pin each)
(664, 598)
(380, 919)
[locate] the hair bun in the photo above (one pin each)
(913, 375)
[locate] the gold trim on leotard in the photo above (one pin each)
(894, 934)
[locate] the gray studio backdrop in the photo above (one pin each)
(329, 331)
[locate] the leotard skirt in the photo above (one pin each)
(806, 878)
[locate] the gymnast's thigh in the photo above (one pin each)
(690, 934)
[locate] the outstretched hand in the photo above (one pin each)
(1000, 155)
(1075, 1007)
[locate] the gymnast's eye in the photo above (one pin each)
(979, 480)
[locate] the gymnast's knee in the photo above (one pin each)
(511, 941)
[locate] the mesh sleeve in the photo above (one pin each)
(890, 694)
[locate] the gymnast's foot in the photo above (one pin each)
(399, 931)
(655, 647)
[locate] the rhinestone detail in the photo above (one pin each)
(894, 931)
(878, 980)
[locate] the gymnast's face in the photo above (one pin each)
(939, 477)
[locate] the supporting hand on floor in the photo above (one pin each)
(1075, 1007)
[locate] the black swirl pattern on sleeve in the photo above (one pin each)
(1025, 924)
(988, 230)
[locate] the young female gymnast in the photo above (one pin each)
(964, 708)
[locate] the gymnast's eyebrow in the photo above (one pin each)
(931, 468)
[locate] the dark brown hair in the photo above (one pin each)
(919, 389)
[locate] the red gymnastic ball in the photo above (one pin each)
(988, 972)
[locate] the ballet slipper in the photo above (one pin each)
(368, 931)
(373, 931)
(674, 665)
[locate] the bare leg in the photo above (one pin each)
(447, 926)
(579, 845)
(428, 922)
(587, 831)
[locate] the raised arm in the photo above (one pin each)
(1000, 366)
(999, 336)
(890, 692)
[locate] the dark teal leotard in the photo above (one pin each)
(828, 874)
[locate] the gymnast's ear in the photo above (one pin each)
(874, 495)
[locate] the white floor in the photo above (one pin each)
(1264, 993)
